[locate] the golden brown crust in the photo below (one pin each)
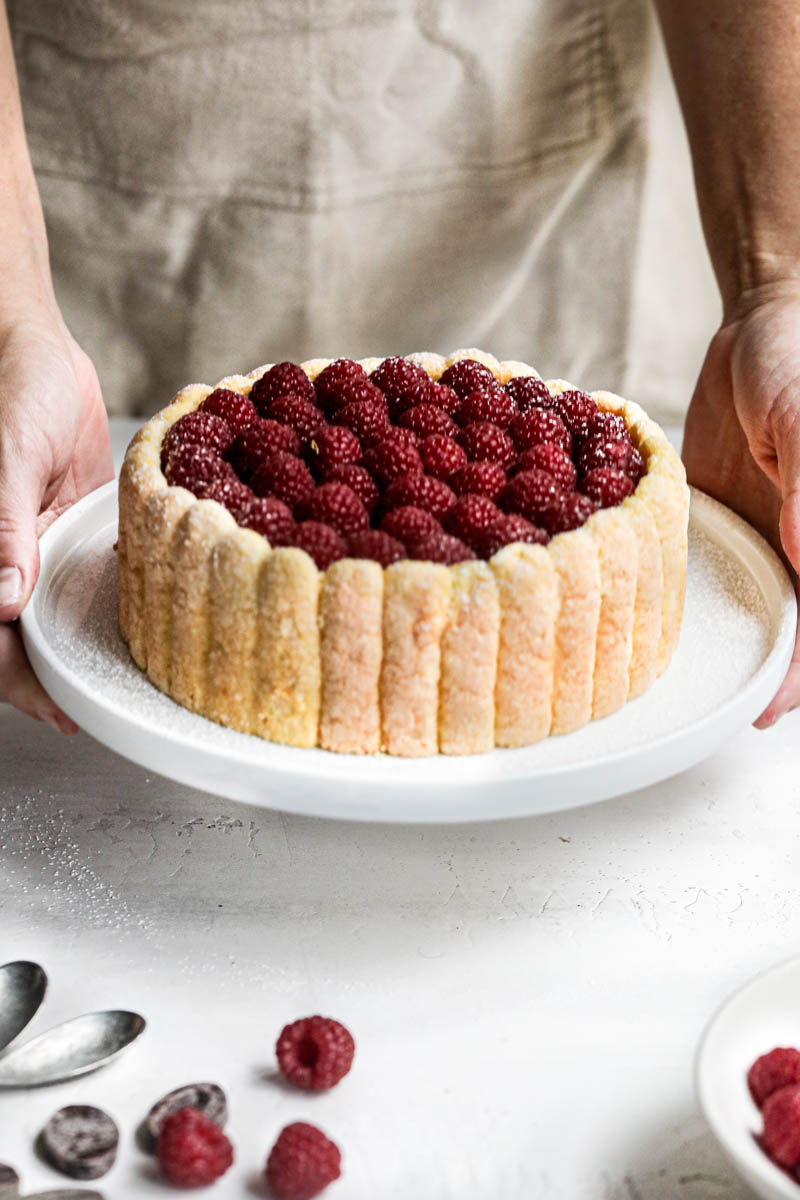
(418, 658)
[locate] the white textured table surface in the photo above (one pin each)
(525, 996)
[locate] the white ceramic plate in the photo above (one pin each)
(761, 1015)
(735, 647)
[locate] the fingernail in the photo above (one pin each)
(10, 586)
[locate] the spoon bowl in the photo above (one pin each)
(22, 989)
(69, 1050)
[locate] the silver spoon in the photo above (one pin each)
(22, 989)
(71, 1049)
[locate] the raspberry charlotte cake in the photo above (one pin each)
(414, 555)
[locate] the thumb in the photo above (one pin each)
(21, 490)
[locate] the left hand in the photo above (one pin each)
(742, 437)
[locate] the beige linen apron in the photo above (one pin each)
(228, 182)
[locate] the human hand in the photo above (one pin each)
(742, 437)
(54, 448)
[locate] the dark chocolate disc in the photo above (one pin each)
(81, 1141)
(208, 1098)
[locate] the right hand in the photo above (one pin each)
(54, 448)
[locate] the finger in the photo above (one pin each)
(20, 687)
(21, 487)
(787, 696)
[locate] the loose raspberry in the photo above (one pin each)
(781, 1137)
(442, 548)
(569, 512)
(509, 528)
(302, 1163)
(441, 456)
(196, 429)
(529, 494)
(231, 493)
(410, 525)
(421, 491)
(332, 447)
(484, 442)
(468, 375)
(471, 517)
(774, 1070)
(269, 517)
(576, 410)
(398, 377)
(333, 380)
(315, 1052)
(368, 421)
(607, 487)
(537, 426)
(285, 476)
(250, 447)
(236, 410)
(392, 458)
(445, 397)
(425, 419)
(321, 542)
(192, 466)
(300, 415)
(479, 478)
(337, 505)
(359, 479)
(529, 392)
(550, 458)
(495, 406)
(598, 451)
(377, 545)
(191, 1150)
(285, 378)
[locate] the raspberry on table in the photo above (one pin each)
(484, 442)
(230, 492)
(397, 377)
(359, 479)
(391, 458)
(302, 1163)
(237, 411)
(529, 494)
(283, 379)
(468, 375)
(300, 415)
(322, 543)
(495, 406)
(444, 396)
(773, 1070)
(536, 426)
(442, 548)
(379, 546)
(196, 429)
(441, 456)
(421, 491)
(425, 419)
(570, 511)
(576, 410)
(481, 478)
(332, 380)
(332, 447)
(509, 528)
(270, 517)
(529, 392)
(471, 517)
(191, 1150)
(191, 466)
(337, 505)
(781, 1113)
(285, 476)
(606, 486)
(315, 1052)
(368, 421)
(550, 458)
(599, 451)
(250, 447)
(410, 524)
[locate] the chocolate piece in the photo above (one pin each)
(9, 1183)
(208, 1098)
(81, 1141)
